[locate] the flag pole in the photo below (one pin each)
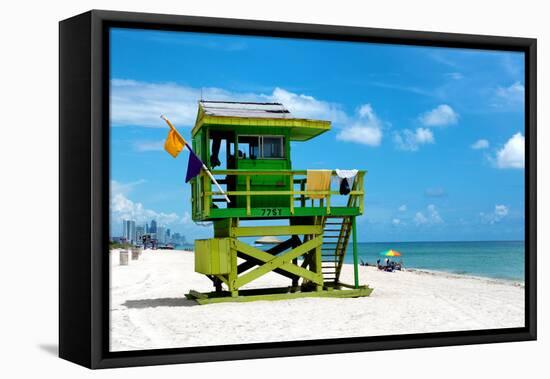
(203, 165)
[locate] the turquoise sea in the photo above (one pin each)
(493, 259)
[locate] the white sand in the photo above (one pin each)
(149, 310)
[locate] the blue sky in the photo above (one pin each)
(440, 131)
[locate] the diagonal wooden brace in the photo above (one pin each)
(292, 242)
(283, 262)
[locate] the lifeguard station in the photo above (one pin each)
(247, 148)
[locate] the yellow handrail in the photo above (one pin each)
(206, 194)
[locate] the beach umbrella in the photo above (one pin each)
(390, 253)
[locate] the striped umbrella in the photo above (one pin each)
(390, 253)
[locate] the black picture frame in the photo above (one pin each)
(84, 188)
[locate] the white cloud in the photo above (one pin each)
(144, 146)
(305, 106)
(512, 154)
(480, 144)
(122, 208)
(366, 111)
(435, 192)
(411, 140)
(514, 93)
(442, 115)
(455, 75)
(141, 103)
(434, 216)
(138, 103)
(124, 188)
(500, 212)
(396, 221)
(431, 217)
(402, 208)
(420, 219)
(367, 130)
(361, 134)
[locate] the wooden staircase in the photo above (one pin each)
(336, 235)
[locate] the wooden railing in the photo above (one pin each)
(203, 196)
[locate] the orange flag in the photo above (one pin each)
(174, 143)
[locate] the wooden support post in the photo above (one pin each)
(302, 196)
(248, 195)
(360, 187)
(355, 264)
(318, 265)
(294, 286)
(232, 276)
(292, 194)
(206, 188)
(217, 285)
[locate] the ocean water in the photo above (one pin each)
(493, 259)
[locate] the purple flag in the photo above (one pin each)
(194, 166)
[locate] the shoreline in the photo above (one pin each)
(514, 282)
(420, 270)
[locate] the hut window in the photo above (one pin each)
(249, 147)
(272, 147)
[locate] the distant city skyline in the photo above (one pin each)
(132, 233)
(439, 130)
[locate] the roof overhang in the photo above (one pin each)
(300, 129)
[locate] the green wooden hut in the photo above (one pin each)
(247, 148)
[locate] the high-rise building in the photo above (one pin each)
(129, 230)
(168, 233)
(177, 239)
(140, 231)
(153, 227)
(161, 234)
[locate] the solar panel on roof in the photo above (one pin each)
(245, 109)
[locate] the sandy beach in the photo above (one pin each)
(149, 310)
